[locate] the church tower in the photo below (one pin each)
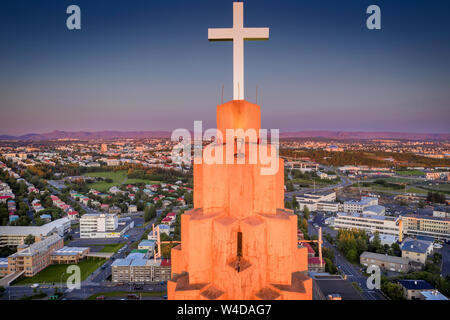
(239, 242)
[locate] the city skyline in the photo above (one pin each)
(150, 67)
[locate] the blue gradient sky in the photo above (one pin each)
(147, 65)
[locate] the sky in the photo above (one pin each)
(147, 65)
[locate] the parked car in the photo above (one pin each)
(100, 298)
(132, 297)
(34, 285)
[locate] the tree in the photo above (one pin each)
(294, 202)
(306, 212)
(289, 186)
(149, 213)
(392, 290)
(375, 245)
(352, 255)
(29, 239)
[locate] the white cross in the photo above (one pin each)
(238, 34)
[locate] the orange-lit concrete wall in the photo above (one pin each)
(232, 198)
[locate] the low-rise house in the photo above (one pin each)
(115, 210)
(148, 245)
(69, 255)
(416, 250)
(412, 289)
(384, 262)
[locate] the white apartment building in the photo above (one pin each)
(321, 201)
(358, 206)
(369, 223)
(103, 225)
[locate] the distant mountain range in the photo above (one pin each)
(337, 135)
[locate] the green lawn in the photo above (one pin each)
(416, 190)
(401, 180)
(113, 247)
(118, 178)
(125, 293)
(410, 173)
(57, 272)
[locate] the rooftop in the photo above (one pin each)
(433, 295)
(384, 257)
(416, 284)
(69, 250)
(415, 245)
(43, 230)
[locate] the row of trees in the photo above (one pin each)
(436, 197)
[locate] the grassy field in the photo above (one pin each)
(443, 188)
(416, 190)
(57, 272)
(410, 173)
(125, 293)
(402, 180)
(118, 178)
(113, 247)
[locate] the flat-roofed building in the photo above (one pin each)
(369, 223)
(359, 206)
(148, 245)
(69, 255)
(432, 295)
(384, 261)
(430, 226)
(101, 225)
(15, 235)
(375, 210)
(320, 201)
(138, 268)
(333, 287)
(3, 267)
(34, 258)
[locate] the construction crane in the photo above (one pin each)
(157, 235)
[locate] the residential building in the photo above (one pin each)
(3, 267)
(138, 268)
(384, 262)
(148, 245)
(33, 258)
(416, 250)
(69, 255)
(412, 289)
(422, 225)
(103, 225)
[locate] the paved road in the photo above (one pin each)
(344, 182)
(353, 273)
(30, 211)
(445, 251)
(17, 292)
